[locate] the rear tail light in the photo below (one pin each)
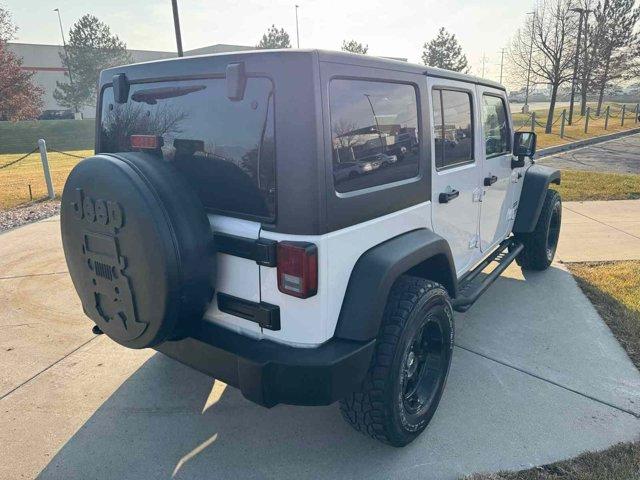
(298, 269)
(146, 142)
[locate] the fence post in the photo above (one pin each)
(45, 166)
(637, 112)
(606, 117)
(586, 120)
(624, 107)
(533, 121)
(564, 116)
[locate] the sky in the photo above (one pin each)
(396, 28)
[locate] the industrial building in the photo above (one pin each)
(45, 61)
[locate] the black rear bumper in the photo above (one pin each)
(269, 373)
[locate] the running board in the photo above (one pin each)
(470, 287)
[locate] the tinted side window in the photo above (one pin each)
(496, 125)
(374, 133)
(225, 148)
(453, 127)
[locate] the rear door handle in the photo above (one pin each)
(488, 181)
(446, 197)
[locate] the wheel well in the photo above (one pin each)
(436, 268)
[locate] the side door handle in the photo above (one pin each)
(488, 181)
(446, 197)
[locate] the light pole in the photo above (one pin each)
(525, 108)
(297, 31)
(375, 117)
(66, 53)
(64, 45)
(581, 11)
(176, 24)
(501, 63)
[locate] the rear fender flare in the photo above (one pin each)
(420, 252)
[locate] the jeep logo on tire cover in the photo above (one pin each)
(112, 296)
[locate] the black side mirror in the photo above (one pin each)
(524, 145)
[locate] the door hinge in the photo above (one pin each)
(473, 242)
(478, 194)
(511, 214)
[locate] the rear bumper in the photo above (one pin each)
(269, 373)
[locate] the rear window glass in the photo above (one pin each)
(374, 133)
(225, 148)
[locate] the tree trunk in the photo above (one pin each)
(603, 83)
(552, 106)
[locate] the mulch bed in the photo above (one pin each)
(28, 213)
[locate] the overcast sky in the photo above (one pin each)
(390, 28)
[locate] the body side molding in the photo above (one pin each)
(419, 252)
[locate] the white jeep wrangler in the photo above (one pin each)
(302, 224)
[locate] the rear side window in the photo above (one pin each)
(225, 148)
(497, 139)
(453, 127)
(374, 133)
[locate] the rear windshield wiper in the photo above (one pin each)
(152, 95)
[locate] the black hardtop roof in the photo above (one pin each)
(323, 56)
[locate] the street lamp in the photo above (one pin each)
(64, 45)
(176, 24)
(581, 11)
(297, 31)
(525, 108)
(66, 53)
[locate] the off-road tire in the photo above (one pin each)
(378, 409)
(540, 245)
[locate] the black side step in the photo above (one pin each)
(470, 288)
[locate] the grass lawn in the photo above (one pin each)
(614, 289)
(22, 137)
(575, 132)
(580, 186)
(15, 180)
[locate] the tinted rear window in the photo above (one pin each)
(374, 133)
(225, 148)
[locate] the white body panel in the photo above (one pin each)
(496, 211)
(457, 221)
(235, 276)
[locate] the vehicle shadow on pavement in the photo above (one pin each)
(154, 426)
(169, 421)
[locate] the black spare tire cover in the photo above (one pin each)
(138, 246)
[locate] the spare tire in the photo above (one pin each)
(138, 245)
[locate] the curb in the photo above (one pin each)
(545, 152)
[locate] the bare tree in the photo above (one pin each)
(618, 44)
(546, 38)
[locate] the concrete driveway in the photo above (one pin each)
(621, 155)
(536, 377)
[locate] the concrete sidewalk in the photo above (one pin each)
(536, 377)
(603, 230)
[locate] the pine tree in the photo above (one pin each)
(354, 46)
(275, 38)
(444, 51)
(91, 48)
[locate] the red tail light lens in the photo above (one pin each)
(298, 269)
(146, 142)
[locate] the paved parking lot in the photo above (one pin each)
(621, 155)
(536, 377)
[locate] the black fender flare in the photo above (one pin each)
(534, 189)
(419, 252)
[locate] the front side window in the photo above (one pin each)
(225, 148)
(453, 127)
(495, 125)
(374, 133)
